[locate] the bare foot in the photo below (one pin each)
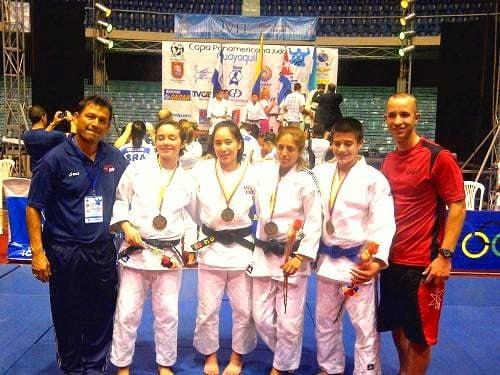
(235, 364)
(165, 370)
(211, 365)
(123, 371)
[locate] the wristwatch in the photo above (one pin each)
(446, 253)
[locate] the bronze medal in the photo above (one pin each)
(270, 228)
(159, 222)
(329, 227)
(227, 214)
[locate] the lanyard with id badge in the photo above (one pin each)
(93, 204)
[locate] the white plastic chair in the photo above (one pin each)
(6, 166)
(471, 188)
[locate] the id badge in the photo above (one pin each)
(93, 209)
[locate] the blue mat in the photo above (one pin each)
(470, 327)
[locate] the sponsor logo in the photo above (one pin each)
(414, 172)
(324, 60)
(298, 56)
(177, 69)
(200, 74)
(177, 50)
(235, 76)
(267, 74)
(108, 168)
(201, 94)
(175, 94)
(235, 93)
(73, 174)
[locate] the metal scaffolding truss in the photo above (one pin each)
(15, 104)
(345, 52)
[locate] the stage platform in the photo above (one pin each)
(469, 344)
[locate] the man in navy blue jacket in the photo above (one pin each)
(74, 185)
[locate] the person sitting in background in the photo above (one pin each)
(268, 145)
(137, 148)
(42, 137)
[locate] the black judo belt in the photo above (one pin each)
(275, 247)
(161, 244)
(225, 237)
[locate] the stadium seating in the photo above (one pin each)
(142, 100)
(356, 17)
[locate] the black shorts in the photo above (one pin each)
(407, 303)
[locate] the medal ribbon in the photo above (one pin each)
(164, 187)
(337, 183)
(272, 201)
(221, 183)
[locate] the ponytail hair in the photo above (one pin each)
(137, 133)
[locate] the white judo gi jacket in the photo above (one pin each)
(297, 197)
(137, 201)
(363, 211)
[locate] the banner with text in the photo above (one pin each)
(208, 26)
(187, 69)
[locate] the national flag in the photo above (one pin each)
(259, 67)
(218, 73)
(285, 78)
(313, 77)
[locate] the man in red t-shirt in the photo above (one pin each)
(424, 179)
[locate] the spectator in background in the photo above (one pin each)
(42, 137)
(318, 145)
(126, 136)
(328, 110)
(268, 145)
(218, 110)
(254, 111)
(193, 149)
(311, 106)
(251, 147)
(137, 148)
(270, 109)
(293, 106)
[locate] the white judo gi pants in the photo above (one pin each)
(134, 284)
(211, 286)
(362, 312)
(281, 332)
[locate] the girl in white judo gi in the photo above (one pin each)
(225, 191)
(285, 192)
(357, 207)
(150, 200)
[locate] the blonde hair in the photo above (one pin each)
(188, 128)
(299, 138)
